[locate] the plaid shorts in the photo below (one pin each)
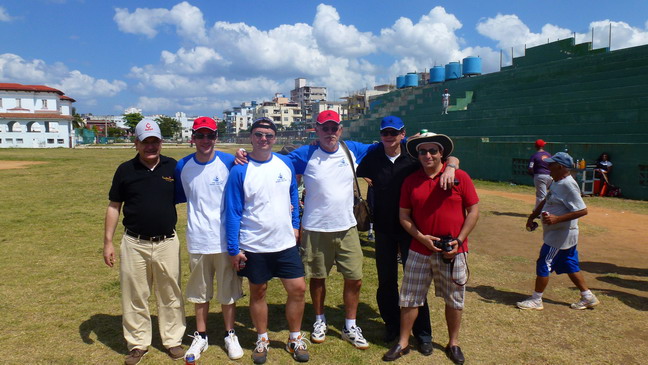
(419, 272)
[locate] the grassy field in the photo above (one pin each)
(60, 303)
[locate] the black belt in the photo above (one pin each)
(149, 238)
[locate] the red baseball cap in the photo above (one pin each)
(204, 122)
(540, 143)
(328, 116)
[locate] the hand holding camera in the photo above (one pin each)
(445, 245)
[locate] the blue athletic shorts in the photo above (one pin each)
(261, 267)
(560, 261)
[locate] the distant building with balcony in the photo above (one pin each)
(359, 102)
(305, 96)
(320, 106)
(35, 116)
(283, 111)
(239, 118)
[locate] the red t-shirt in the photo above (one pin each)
(435, 211)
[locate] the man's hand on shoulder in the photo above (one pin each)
(240, 157)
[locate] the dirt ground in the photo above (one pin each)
(612, 244)
(621, 232)
(6, 165)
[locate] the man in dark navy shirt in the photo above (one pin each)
(150, 250)
(387, 167)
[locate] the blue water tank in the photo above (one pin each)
(452, 71)
(437, 74)
(411, 80)
(400, 81)
(472, 66)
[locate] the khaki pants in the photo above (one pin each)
(144, 265)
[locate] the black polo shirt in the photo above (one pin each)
(147, 196)
(387, 178)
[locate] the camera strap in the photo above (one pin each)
(467, 270)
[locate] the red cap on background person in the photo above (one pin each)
(540, 143)
(328, 116)
(204, 122)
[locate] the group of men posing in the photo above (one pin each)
(243, 221)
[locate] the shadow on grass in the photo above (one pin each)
(608, 268)
(108, 328)
(510, 214)
(491, 295)
(634, 301)
(625, 283)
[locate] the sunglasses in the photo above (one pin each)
(332, 129)
(266, 135)
(423, 152)
(210, 136)
(389, 132)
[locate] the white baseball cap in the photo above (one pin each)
(146, 128)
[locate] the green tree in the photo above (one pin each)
(169, 127)
(115, 132)
(132, 119)
(77, 121)
(222, 128)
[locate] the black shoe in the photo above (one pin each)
(425, 348)
(395, 352)
(454, 353)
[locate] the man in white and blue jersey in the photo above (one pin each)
(262, 227)
(330, 234)
(200, 182)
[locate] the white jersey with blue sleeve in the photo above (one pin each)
(328, 181)
(261, 206)
(201, 186)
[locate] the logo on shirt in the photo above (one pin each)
(168, 178)
(217, 181)
(280, 178)
(343, 163)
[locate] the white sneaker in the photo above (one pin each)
(530, 303)
(234, 350)
(319, 332)
(198, 345)
(584, 303)
(354, 336)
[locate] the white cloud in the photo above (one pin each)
(191, 61)
(338, 39)
(623, 35)
(4, 15)
(187, 19)
(433, 36)
(14, 68)
(79, 85)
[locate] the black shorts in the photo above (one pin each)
(261, 267)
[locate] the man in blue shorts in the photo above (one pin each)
(560, 212)
(262, 227)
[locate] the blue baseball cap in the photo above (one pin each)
(562, 158)
(392, 122)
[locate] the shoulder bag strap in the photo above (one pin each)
(355, 178)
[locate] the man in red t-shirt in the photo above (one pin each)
(431, 214)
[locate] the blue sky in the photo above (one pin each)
(203, 56)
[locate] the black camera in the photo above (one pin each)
(445, 246)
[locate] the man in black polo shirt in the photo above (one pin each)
(150, 250)
(387, 167)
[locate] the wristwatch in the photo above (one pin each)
(451, 165)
